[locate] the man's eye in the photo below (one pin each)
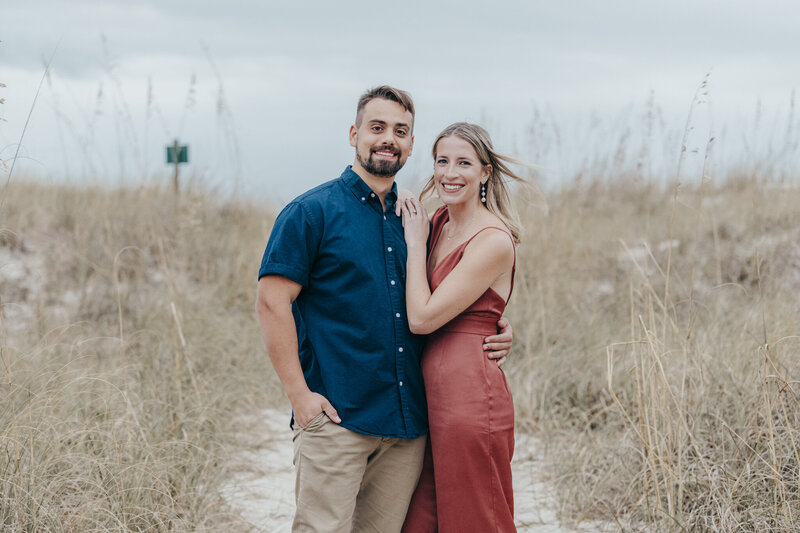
(401, 132)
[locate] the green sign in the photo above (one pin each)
(181, 151)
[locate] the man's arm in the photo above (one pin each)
(274, 311)
(499, 345)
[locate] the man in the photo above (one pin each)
(331, 306)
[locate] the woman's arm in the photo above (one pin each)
(487, 257)
(402, 196)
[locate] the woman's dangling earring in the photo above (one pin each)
(483, 193)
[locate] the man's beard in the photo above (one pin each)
(380, 167)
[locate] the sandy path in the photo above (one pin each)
(262, 488)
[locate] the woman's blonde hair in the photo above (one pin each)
(498, 200)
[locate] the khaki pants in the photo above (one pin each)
(349, 482)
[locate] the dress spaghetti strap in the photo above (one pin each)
(514, 246)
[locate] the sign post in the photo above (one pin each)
(177, 154)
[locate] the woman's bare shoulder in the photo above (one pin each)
(493, 241)
(494, 225)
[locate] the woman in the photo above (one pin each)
(456, 294)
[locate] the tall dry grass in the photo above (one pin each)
(127, 344)
(655, 354)
(657, 341)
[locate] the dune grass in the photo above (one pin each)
(657, 340)
(655, 354)
(128, 342)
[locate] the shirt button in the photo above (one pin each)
(389, 249)
(384, 217)
(392, 282)
(400, 349)
(372, 195)
(397, 315)
(363, 199)
(401, 383)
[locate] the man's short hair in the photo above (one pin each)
(387, 93)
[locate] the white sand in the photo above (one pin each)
(262, 488)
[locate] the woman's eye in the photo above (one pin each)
(441, 161)
(465, 163)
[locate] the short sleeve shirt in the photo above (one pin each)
(355, 347)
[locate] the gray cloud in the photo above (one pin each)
(291, 71)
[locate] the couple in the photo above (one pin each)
(347, 289)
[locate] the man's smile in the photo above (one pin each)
(386, 153)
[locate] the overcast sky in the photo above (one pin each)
(264, 92)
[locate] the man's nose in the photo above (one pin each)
(388, 137)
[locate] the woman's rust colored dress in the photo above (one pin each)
(465, 484)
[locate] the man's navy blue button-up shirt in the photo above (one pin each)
(355, 346)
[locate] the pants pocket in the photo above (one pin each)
(315, 422)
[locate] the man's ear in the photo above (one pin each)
(411, 148)
(353, 135)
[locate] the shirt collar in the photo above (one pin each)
(362, 191)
